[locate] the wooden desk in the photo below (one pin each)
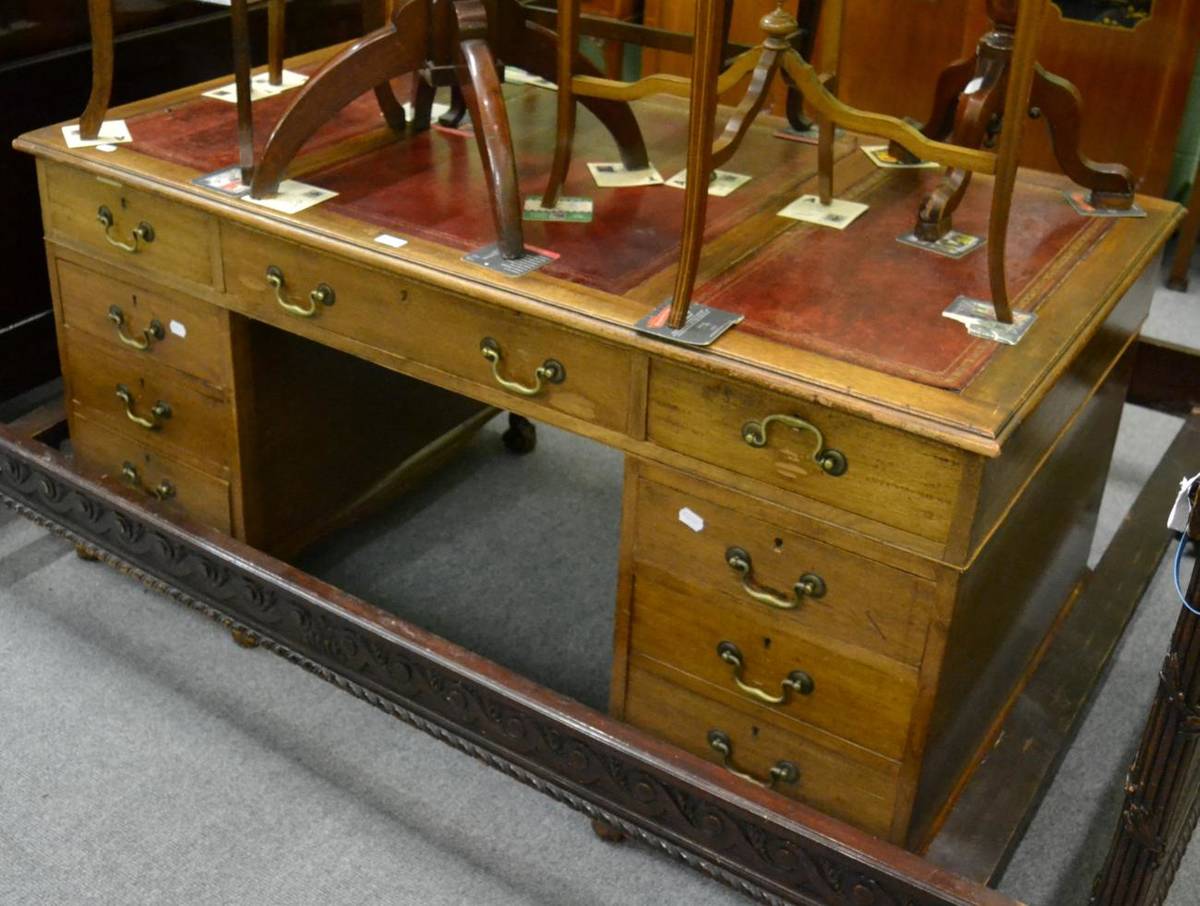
(946, 552)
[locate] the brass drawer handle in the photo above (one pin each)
(810, 585)
(164, 490)
(149, 335)
(158, 414)
(797, 681)
(833, 462)
(550, 372)
(322, 295)
(142, 233)
(783, 772)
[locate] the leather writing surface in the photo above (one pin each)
(856, 295)
(861, 296)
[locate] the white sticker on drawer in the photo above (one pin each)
(392, 242)
(691, 519)
(178, 329)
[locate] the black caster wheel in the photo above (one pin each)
(521, 436)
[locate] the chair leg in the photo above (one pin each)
(453, 117)
(374, 16)
(564, 129)
(485, 101)
(276, 40)
(397, 48)
(974, 121)
(100, 16)
(239, 15)
(1058, 102)
(702, 111)
(535, 49)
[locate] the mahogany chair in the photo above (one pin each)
(454, 43)
(1017, 27)
(968, 102)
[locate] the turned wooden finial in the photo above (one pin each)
(1003, 14)
(778, 24)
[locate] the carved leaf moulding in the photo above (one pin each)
(494, 718)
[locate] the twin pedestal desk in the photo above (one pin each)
(848, 527)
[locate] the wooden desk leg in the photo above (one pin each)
(706, 65)
(276, 40)
(1181, 265)
(393, 50)
(100, 17)
(485, 100)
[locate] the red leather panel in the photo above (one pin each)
(863, 297)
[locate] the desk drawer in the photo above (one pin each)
(749, 656)
(168, 485)
(134, 397)
(176, 241)
(839, 779)
(811, 587)
(889, 476)
(430, 327)
(185, 334)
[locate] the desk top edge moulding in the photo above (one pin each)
(849, 528)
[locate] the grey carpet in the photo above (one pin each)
(146, 759)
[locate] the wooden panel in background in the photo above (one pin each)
(1134, 82)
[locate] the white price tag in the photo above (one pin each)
(1182, 510)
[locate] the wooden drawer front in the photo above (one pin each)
(840, 595)
(436, 329)
(170, 485)
(839, 779)
(198, 429)
(854, 694)
(891, 477)
(182, 244)
(185, 334)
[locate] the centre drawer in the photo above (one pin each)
(513, 356)
(771, 666)
(872, 470)
(162, 409)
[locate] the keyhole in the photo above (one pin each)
(779, 545)
(766, 642)
(754, 732)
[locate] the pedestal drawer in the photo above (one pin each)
(839, 779)
(187, 335)
(129, 226)
(167, 484)
(770, 665)
(137, 398)
(318, 295)
(872, 470)
(811, 587)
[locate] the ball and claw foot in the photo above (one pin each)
(521, 436)
(607, 832)
(243, 638)
(86, 554)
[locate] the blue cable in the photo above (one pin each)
(1178, 586)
